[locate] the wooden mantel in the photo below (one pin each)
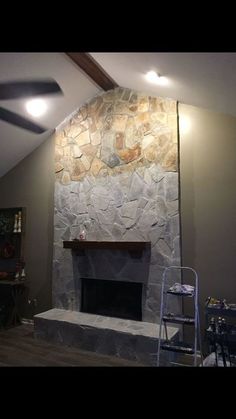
(112, 245)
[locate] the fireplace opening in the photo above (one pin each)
(112, 298)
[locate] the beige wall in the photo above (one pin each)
(31, 184)
(208, 200)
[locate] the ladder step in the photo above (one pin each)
(178, 319)
(183, 294)
(181, 347)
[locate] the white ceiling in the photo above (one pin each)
(206, 80)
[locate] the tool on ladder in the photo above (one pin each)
(179, 290)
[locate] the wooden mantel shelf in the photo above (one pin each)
(112, 245)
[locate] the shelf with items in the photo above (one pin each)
(12, 231)
(220, 329)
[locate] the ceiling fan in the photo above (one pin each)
(21, 89)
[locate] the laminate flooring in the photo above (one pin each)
(18, 347)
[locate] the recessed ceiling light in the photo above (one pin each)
(36, 107)
(153, 77)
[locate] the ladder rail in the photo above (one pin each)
(197, 335)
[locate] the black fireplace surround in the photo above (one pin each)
(120, 299)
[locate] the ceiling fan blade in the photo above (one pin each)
(20, 121)
(26, 88)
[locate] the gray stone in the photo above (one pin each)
(129, 209)
(172, 208)
(106, 217)
(60, 221)
(171, 186)
(75, 187)
(136, 187)
(155, 233)
(148, 218)
(100, 202)
(117, 231)
(111, 159)
(142, 202)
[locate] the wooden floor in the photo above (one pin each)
(19, 348)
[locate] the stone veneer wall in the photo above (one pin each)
(116, 173)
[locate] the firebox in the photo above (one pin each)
(120, 299)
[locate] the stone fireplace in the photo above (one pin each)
(116, 176)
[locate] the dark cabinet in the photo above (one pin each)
(12, 232)
(12, 270)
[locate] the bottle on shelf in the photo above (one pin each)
(19, 223)
(15, 230)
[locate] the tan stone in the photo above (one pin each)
(76, 152)
(131, 133)
(98, 155)
(95, 138)
(77, 169)
(84, 125)
(119, 122)
(107, 123)
(142, 118)
(64, 141)
(134, 98)
(58, 167)
(73, 129)
(119, 140)
(133, 108)
(108, 96)
(174, 136)
(143, 104)
(89, 151)
(104, 110)
(81, 115)
(164, 139)
(58, 176)
(85, 161)
(83, 138)
(91, 124)
(122, 108)
(172, 122)
(96, 166)
(58, 153)
(108, 140)
(158, 117)
(59, 137)
(168, 106)
(151, 153)
(160, 104)
(65, 180)
(118, 92)
(170, 161)
(152, 104)
(67, 151)
(67, 162)
(127, 155)
(126, 94)
(147, 140)
(95, 104)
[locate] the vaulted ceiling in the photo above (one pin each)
(206, 80)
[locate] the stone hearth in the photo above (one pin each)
(127, 339)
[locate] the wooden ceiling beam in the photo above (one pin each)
(87, 63)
